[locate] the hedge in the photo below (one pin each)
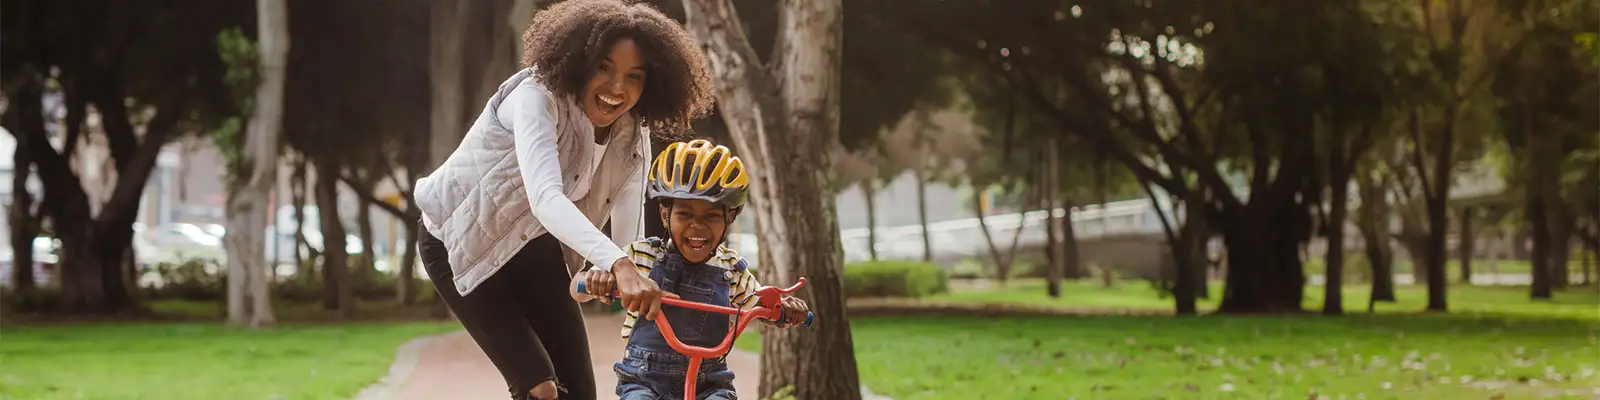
(893, 279)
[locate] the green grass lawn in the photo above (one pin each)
(1497, 343)
(1578, 303)
(200, 360)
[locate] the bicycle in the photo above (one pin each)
(768, 307)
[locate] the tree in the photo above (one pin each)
(1546, 120)
(863, 168)
(254, 169)
(1237, 136)
(24, 219)
(145, 69)
(1372, 219)
(796, 93)
(934, 144)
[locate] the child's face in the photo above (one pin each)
(696, 227)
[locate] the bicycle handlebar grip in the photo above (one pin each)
(582, 289)
(808, 320)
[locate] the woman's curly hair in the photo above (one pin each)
(567, 41)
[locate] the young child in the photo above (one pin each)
(701, 188)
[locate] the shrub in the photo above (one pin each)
(893, 279)
(192, 279)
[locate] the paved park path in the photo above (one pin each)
(451, 366)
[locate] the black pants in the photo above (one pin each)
(521, 317)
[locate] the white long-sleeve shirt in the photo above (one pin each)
(532, 154)
(525, 111)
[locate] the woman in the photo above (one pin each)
(559, 150)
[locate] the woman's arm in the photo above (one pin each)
(526, 110)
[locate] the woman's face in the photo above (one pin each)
(615, 86)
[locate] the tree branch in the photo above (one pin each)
(76, 105)
(368, 197)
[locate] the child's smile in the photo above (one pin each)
(696, 226)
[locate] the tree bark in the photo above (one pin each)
(1534, 206)
(249, 205)
(922, 215)
(1439, 215)
(1049, 183)
(297, 198)
(1372, 222)
(1560, 236)
(1468, 240)
(337, 293)
(416, 161)
(1072, 259)
(1195, 235)
(1002, 261)
(1333, 286)
(1265, 274)
(1537, 205)
(447, 79)
(872, 218)
(369, 262)
(24, 223)
(783, 118)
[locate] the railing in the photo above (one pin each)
(964, 237)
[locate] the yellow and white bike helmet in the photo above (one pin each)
(698, 170)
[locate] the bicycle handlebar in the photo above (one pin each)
(761, 293)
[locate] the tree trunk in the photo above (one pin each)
(416, 161)
(1002, 263)
(1439, 216)
(1181, 279)
(1265, 274)
(1414, 237)
(1534, 206)
(337, 294)
(249, 203)
(446, 77)
(922, 215)
(783, 118)
(24, 226)
(872, 218)
(1380, 255)
(1189, 273)
(297, 199)
(1071, 258)
(1465, 245)
(1537, 205)
(92, 276)
(1333, 286)
(1049, 184)
(1195, 235)
(1560, 237)
(369, 262)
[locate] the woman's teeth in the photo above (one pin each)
(610, 100)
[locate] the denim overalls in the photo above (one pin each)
(651, 369)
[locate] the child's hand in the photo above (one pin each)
(794, 312)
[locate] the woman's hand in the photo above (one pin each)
(639, 294)
(598, 284)
(794, 312)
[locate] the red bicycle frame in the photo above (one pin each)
(769, 306)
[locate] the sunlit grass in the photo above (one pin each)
(1497, 343)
